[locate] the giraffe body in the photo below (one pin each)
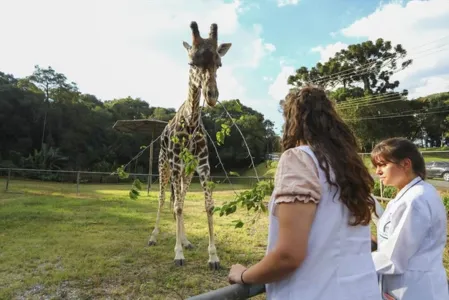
(186, 130)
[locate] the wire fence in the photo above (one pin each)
(84, 182)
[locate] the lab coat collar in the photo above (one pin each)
(407, 187)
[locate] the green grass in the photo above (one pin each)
(55, 244)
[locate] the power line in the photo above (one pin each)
(368, 70)
(372, 101)
(396, 116)
(368, 65)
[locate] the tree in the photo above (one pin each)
(368, 64)
(435, 118)
(129, 108)
(79, 127)
(54, 85)
(257, 131)
(163, 114)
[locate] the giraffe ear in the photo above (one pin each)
(223, 49)
(187, 46)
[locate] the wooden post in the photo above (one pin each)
(78, 183)
(7, 180)
(150, 164)
(381, 190)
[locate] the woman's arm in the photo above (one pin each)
(296, 194)
(295, 221)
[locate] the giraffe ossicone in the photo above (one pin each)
(204, 56)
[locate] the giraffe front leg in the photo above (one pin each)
(163, 170)
(185, 187)
(214, 261)
(179, 204)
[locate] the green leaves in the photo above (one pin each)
(189, 160)
(211, 185)
(134, 193)
(136, 186)
(121, 172)
(220, 135)
(252, 200)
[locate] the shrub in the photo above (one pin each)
(445, 198)
(389, 191)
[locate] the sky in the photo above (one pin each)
(114, 49)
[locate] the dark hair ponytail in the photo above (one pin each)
(397, 149)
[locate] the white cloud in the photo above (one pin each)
(287, 2)
(328, 51)
(270, 47)
(279, 88)
(420, 27)
(431, 85)
(113, 49)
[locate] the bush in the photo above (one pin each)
(445, 198)
(389, 191)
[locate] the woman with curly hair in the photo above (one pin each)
(319, 243)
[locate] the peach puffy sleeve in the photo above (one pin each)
(296, 178)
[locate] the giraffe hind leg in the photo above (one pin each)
(178, 207)
(204, 173)
(164, 173)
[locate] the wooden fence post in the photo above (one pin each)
(77, 183)
(7, 180)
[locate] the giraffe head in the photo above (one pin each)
(205, 58)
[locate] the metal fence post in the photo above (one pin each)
(78, 183)
(7, 180)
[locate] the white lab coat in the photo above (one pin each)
(411, 236)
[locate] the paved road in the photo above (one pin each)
(440, 184)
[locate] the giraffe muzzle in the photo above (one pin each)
(211, 97)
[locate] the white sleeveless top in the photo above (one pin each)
(338, 265)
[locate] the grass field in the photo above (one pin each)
(57, 245)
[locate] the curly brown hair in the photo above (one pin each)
(310, 118)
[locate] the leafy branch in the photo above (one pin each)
(251, 199)
(136, 186)
(243, 137)
(220, 135)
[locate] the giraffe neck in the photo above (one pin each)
(191, 109)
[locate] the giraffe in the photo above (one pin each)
(204, 59)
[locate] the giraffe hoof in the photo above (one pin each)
(214, 265)
(180, 262)
(151, 243)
